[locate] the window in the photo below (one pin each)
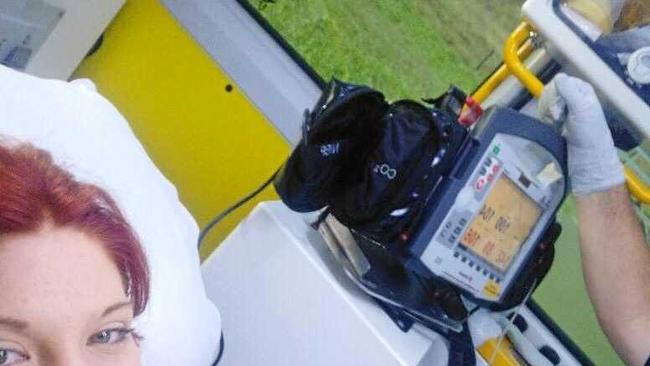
(407, 49)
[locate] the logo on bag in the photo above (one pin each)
(330, 149)
(385, 170)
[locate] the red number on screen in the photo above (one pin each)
(488, 249)
(471, 237)
(502, 257)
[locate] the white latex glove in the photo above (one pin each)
(551, 107)
(594, 164)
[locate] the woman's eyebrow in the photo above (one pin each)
(14, 324)
(116, 307)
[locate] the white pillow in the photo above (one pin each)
(89, 137)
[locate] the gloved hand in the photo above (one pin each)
(594, 164)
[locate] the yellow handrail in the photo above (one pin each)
(500, 75)
(636, 186)
(515, 66)
(514, 63)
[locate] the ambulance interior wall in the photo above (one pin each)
(212, 143)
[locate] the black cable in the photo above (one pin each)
(471, 312)
(229, 210)
(220, 355)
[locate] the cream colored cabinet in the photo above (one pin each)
(49, 38)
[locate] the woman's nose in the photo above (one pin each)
(68, 360)
(65, 356)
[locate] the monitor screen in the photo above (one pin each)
(503, 224)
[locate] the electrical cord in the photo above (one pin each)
(510, 323)
(220, 355)
(206, 229)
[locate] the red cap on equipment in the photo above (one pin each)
(471, 113)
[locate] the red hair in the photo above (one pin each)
(34, 190)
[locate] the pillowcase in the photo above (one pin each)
(87, 136)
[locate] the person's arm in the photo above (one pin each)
(615, 258)
(616, 265)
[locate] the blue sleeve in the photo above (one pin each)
(647, 363)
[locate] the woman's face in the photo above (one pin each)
(62, 302)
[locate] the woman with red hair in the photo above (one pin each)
(72, 273)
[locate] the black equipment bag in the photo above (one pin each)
(337, 135)
(388, 191)
(374, 166)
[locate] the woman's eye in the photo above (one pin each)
(9, 357)
(108, 336)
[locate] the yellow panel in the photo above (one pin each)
(211, 143)
(504, 356)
